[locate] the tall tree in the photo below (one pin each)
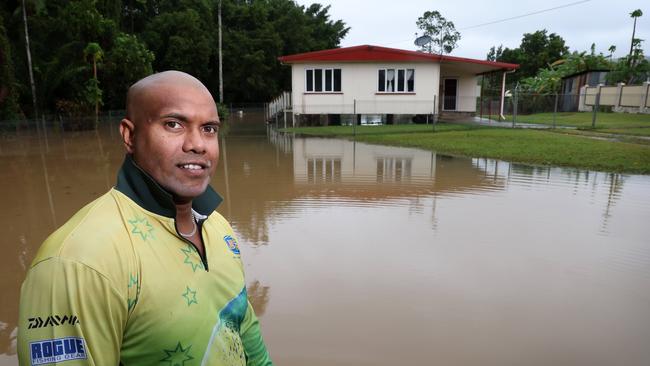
(631, 69)
(443, 33)
(635, 14)
(536, 51)
(93, 91)
(611, 50)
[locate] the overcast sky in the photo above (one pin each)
(391, 23)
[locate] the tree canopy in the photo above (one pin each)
(444, 37)
(139, 37)
(537, 50)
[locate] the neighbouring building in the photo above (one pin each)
(571, 85)
(382, 85)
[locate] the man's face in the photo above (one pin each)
(175, 138)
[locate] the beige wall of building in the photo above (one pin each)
(359, 81)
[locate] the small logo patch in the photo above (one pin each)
(52, 320)
(232, 244)
(57, 350)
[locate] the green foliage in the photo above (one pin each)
(549, 79)
(94, 51)
(92, 93)
(8, 91)
(128, 61)
(223, 111)
(182, 40)
(259, 33)
(442, 32)
(537, 50)
(139, 37)
(631, 69)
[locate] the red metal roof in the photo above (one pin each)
(368, 53)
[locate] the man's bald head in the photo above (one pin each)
(142, 89)
(171, 131)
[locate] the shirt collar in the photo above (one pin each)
(141, 188)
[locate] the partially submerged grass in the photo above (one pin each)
(623, 123)
(538, 147)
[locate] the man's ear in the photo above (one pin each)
(127, 130)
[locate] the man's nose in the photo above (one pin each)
(194, 141)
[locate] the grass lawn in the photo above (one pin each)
(518, 145)
(622, 123)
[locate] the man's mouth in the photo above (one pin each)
(193, 166)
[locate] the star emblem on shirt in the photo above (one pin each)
(188, 260)
(177, 356)
(190, 296)
(141, 225)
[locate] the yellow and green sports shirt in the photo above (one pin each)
(117, 285)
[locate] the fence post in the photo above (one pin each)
(619, 96)
(596, 106)
(354, 119)
(555, 110)
(433, 113)
(514, 106)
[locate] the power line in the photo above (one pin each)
(526, 15)
(512, 18)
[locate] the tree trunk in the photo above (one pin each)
(96, 101)
(220, 59)
(632, 41)
(29, 61)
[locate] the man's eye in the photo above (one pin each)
(210, 129)
(173, 124)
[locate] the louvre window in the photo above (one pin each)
(323, 80)
(396, 81)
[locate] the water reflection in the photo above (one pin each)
(469, 255)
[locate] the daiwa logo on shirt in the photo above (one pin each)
(232, 244)
(57, 350)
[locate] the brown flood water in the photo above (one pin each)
(359, 254)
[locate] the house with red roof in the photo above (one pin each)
(383, 85)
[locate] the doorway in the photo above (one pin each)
(450, 90)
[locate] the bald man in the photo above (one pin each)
(149, 273)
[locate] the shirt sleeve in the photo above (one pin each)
(69, 312)
(256, 353)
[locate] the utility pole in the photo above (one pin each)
(29, 61)
(220, 58)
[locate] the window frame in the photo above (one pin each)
(326, 88)
(395, 81)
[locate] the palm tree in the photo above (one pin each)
(635, 14)
(96, 53)
(611, 49)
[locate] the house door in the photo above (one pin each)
(450, 91)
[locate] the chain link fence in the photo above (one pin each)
(594, 107)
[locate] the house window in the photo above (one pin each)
(323, 80)
(396, 81)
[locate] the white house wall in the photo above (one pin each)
(467, 91)
(359, 82)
